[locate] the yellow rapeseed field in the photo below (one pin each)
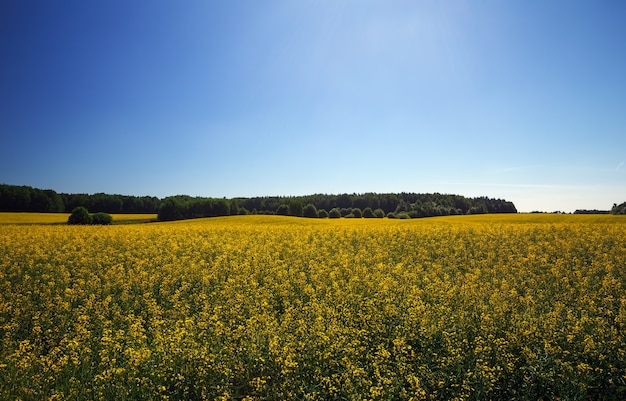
(59, 218)
(519, 307)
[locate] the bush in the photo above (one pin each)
(296, 208)
(80, 215)
(368, 213)
(380, 213)
(345, 211)
(282, 210)
(403, 215)
(322, 214)
(310, 211)
(101, 218)
(334, 213)
(356, 212)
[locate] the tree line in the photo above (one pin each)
(401, 205)
(15, 198)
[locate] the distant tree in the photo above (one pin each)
(478, 209)
(101, 218)
(356, 213)
(403, 215)
(619, 209)
(310, 211)
(379, 213)
(344, 201)
(295, 207)
(282, 210)
(322, 214)
(234, 207)
(368, 213)
(403, 206)
(80, 215)
(334, 213)
(171, 209)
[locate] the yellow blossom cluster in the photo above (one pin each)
(271, 307)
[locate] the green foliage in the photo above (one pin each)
(101, 218)
(368, 213)
(322, 214)
(310, 211)
(379, 213)
(619, 209)
(295, 207)
(170, 209)
(282, 210)
(27, 199)
(334, 213)
(187, 207)
(234, 207)
(356, 212)
(80, 215)
(478, 209)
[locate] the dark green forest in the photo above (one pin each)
(394, 205)
(15, 198)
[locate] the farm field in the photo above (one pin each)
(515, 307)
(59, 218)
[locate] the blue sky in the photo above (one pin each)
(521, 100)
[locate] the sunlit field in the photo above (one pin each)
(515, 307)
(57, 218)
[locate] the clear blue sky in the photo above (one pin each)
(521, 100)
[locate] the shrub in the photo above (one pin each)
(403, 215)
(380, 213)
(322, 214)
(101, 218)
(334, 213)
(310, 211)
(296, 208)
(282, 210)
(80, 215)
(357, 213)
(368, 213)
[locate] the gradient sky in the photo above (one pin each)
(521, 100)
